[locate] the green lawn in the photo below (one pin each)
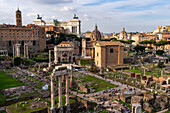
(25, 109)
(96, 83)
(2, 98)
(167, 111)
(8, 82)
(85, 62)
(142, 72)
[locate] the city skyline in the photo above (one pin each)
(110, 15)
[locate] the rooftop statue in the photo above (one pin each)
(75, 17)
(39, 16)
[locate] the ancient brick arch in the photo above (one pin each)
(168, 81)
(164, 83)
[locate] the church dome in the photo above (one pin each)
(123, 34)
(96, 35)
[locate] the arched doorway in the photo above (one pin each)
(58, 59)
(164, 83)
(64, 57)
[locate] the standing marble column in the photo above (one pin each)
(17, 50)
(60, 94)
(67, 94)
(52, 95)
(49, 65)
(161, 72)
(55, 55)
(71, 76)
(26, 50)
(13, 50)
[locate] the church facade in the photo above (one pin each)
(104, 53)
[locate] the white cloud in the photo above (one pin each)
(52, 1)
(86, 17)
(67, 9)
(31, 14)
(135, 15)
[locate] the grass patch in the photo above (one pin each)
(24, 109)
(2, 98)
(97, 84)
(85, 62)
(142, 72)
(8, 82)
(127, 104)
(167, 111)
(3, 111)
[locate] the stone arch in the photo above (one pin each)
(164, 83)
(59, 60)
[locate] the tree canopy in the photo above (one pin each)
(139, 48)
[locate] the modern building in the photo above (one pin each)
(32, 35)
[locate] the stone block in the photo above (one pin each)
(136, 100)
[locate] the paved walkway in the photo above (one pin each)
(163, 111)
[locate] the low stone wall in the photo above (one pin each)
(125, 99)
(82, 88)
(147, 107)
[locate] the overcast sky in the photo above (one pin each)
(110, 15)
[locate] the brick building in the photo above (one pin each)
(31, 34)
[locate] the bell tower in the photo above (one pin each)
(18, 18)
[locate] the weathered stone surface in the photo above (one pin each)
(136, 100)
(82, 88)
(165, 98)
(147, 107)
(148, 96)
(156, 104)
(164, 105)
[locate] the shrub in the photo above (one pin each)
(160, 65)
(85, 62)
(159, 52)
(17, 61)
(93, 70)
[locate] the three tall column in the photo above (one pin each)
(60, 106)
